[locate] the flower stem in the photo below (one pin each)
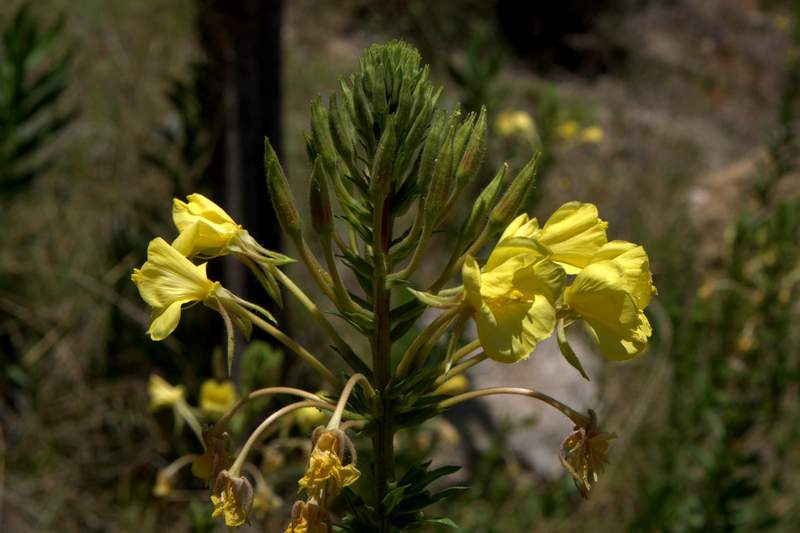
(576, 417)
(433, 329)
(348, 388)
(458, 369)
(465, 350)
(254, 436)
(183, 409)
(296, 348)
(269, 391)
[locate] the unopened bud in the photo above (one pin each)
(515, 196)
(280, 193)
(383, 164)
(441, 182)
(320, 201)
(430, 151)
(343, 133)
(321, 134)
(474, 151)
(481, 207)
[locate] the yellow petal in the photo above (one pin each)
(168, 276)
(515, 329)
(574, 233)
(471, 276)
(599, 293)
(636, 265)
(198, 207)
(164, 321)
(514, 246)
(522, 226)
(616, 347)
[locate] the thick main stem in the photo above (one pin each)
(382, 441)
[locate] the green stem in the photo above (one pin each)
(333, 423)
(432, 331)
(382, 441)
(458, 369)
(182, 408)
(296, 348)
(269, 391)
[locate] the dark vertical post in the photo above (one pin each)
(242, 42)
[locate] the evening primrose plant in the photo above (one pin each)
(388, 165)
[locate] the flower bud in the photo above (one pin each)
(430, 151)
(320, 201)
(441, 184)
(472, 157)
(280, 193)
(383, 164)
(515, 196)
(481, 207)
(321, 134)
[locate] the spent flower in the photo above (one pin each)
(326, 474)
(232, 499)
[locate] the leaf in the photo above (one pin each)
(566, 350)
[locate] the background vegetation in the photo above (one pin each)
(677, 118)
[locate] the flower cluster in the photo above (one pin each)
(522, 291)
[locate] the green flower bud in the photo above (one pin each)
(430, 151)
(280, 193)
(383, 165)
(480, 209)
(320, 201)
(472, 157)
(441, 182)
(515, 196)
(321, 134)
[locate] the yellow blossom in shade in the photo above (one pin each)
(205, 228)
(232, 499)
(326, 475)
(573, 233)
(514, 298)
(568, 129)
(610, 294)
(162, 394)
(584, 454)
(592, 134)
(217, 397)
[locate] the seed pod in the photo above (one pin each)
(320, 201)
(515, 196)
(280, 193)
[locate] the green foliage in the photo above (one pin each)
(34, 73)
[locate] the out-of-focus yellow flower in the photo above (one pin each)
(326, 475)
(264, 500)
(307, 518)
(568, 129)
(308, 418)
(584, 454)
(514, 297)
(205, 228)
(455, 385)
(592, 134)
(232, 499)
(217, 397)
(168, 280)
(610, 295)
(514, 122)
(162, 394)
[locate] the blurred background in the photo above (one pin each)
(678, 118)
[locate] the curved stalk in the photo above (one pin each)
(431, 331)
(290, 343)
(254, 436)
(576, 417)
(333, 423)
(464, 351)
(459, 369)
(269, 391)
(419, 252)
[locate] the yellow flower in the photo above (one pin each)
(568, 129)
(163, 485)
(514, 297)
(308, 518)
(205, 228)
(515, 122)
(217, 397)
(162, 394)
(610, 295)
(326, 476)
(592, 134)
(232, 499)
(584, 454)
(168, 280)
